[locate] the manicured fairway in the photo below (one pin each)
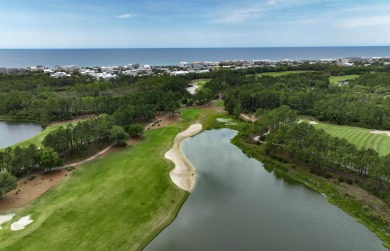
(334, 80)
(360, 137)
(119, 202)
(200, 82)
(279, 73)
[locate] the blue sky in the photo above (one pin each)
(202, 23)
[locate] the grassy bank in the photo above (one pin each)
(360, 137)
(119, 202)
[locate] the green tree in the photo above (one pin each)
(118, 135)
(7, 183)
(135, 130)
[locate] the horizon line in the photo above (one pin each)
(228, 47)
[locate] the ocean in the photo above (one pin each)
(173, 56)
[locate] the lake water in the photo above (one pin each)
(173, 56)
(14, 132)
(237, 205)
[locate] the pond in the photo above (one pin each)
(237, 205)
(14, 132)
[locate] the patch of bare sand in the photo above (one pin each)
(22, 223)
(380, 132)
(5, 218)
(313, 123)
(165, 120)
(29, 190)
(183, 175)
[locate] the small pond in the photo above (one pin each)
(14, 132)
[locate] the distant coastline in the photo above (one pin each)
(172, 56)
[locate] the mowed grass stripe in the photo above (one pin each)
(360, 137)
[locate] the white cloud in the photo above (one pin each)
(241, 15)
(360, 22)
(125, 16)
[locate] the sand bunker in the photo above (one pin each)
(5, 218)
(380, 132)
(313, 123)
(20, 224)
(226, 121)
(183, 175)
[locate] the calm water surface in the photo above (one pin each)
(14, 132)
(237, 205)
(173, 56)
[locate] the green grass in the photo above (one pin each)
(200, 82)
(219, 103)
(360, 137)
(119, 202)
(279, 73)
(334, 80)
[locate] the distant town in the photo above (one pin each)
(108, 72)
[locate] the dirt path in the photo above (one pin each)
(28, 190)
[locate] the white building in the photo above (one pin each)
(59, 74)
(184, 64)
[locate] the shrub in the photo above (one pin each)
(69, 168)
(341, 179)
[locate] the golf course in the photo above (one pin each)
(117, 202)
(360, 137)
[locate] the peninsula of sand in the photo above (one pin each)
(183, 175)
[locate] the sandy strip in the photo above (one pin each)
(380, 132)
(183, 175)
(313, 123)
(20, 224)
(5, 218)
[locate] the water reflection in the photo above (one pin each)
(14, 132)
(237, 205)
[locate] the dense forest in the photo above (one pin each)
(123, 103)
(277, 101)
(120, 105)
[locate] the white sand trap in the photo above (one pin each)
(313, 123)
(223, 120)
(5, 218)
(380, 132)
(192, 89)
(20, 224)
(183, 175)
